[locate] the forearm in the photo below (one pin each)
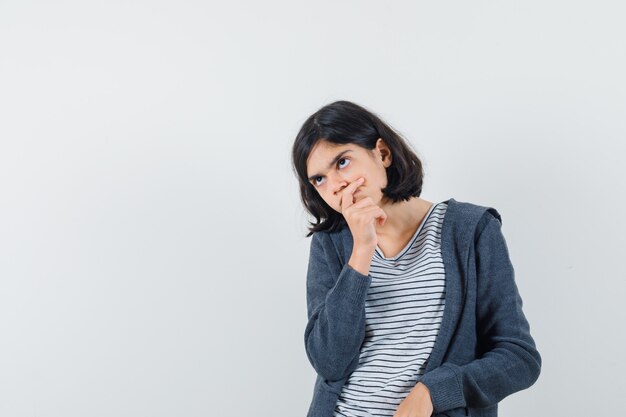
(485, 381)
(336, 327)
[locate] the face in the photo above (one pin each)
(331, 167)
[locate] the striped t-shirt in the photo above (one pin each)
(403, 311)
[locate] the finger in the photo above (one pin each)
(377, 214)
(364, 202)
(346, 194)
(372, 214)
(382, 217)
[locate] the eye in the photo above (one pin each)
(338, 164)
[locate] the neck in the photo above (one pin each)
(403, 217)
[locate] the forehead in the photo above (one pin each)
(323, 153)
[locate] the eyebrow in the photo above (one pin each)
(331, 164)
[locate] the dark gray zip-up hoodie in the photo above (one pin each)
(484, 350)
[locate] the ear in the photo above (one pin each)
(384, 151)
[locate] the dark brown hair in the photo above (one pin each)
(345, 122)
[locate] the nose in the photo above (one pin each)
(338, 183)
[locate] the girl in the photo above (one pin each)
(412, 306)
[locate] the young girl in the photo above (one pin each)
(412, 306)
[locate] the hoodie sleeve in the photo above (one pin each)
(336, 311)
(511, 361)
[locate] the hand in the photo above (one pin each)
(361, 216)
(417, 404)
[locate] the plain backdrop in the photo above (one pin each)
(152, 249)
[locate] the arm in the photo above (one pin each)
(336, 313)
(511, 361)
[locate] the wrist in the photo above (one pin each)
(361, 259)
(421, 389)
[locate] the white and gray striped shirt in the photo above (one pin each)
(403, 310)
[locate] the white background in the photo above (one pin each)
(152, 249)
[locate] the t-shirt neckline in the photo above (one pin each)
(410, 243)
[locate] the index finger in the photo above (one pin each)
(346, 194)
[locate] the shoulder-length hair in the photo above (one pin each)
(344, 122)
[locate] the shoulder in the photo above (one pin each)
(468, 209)
(323, 241)
(335, 245)
(477, 216)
